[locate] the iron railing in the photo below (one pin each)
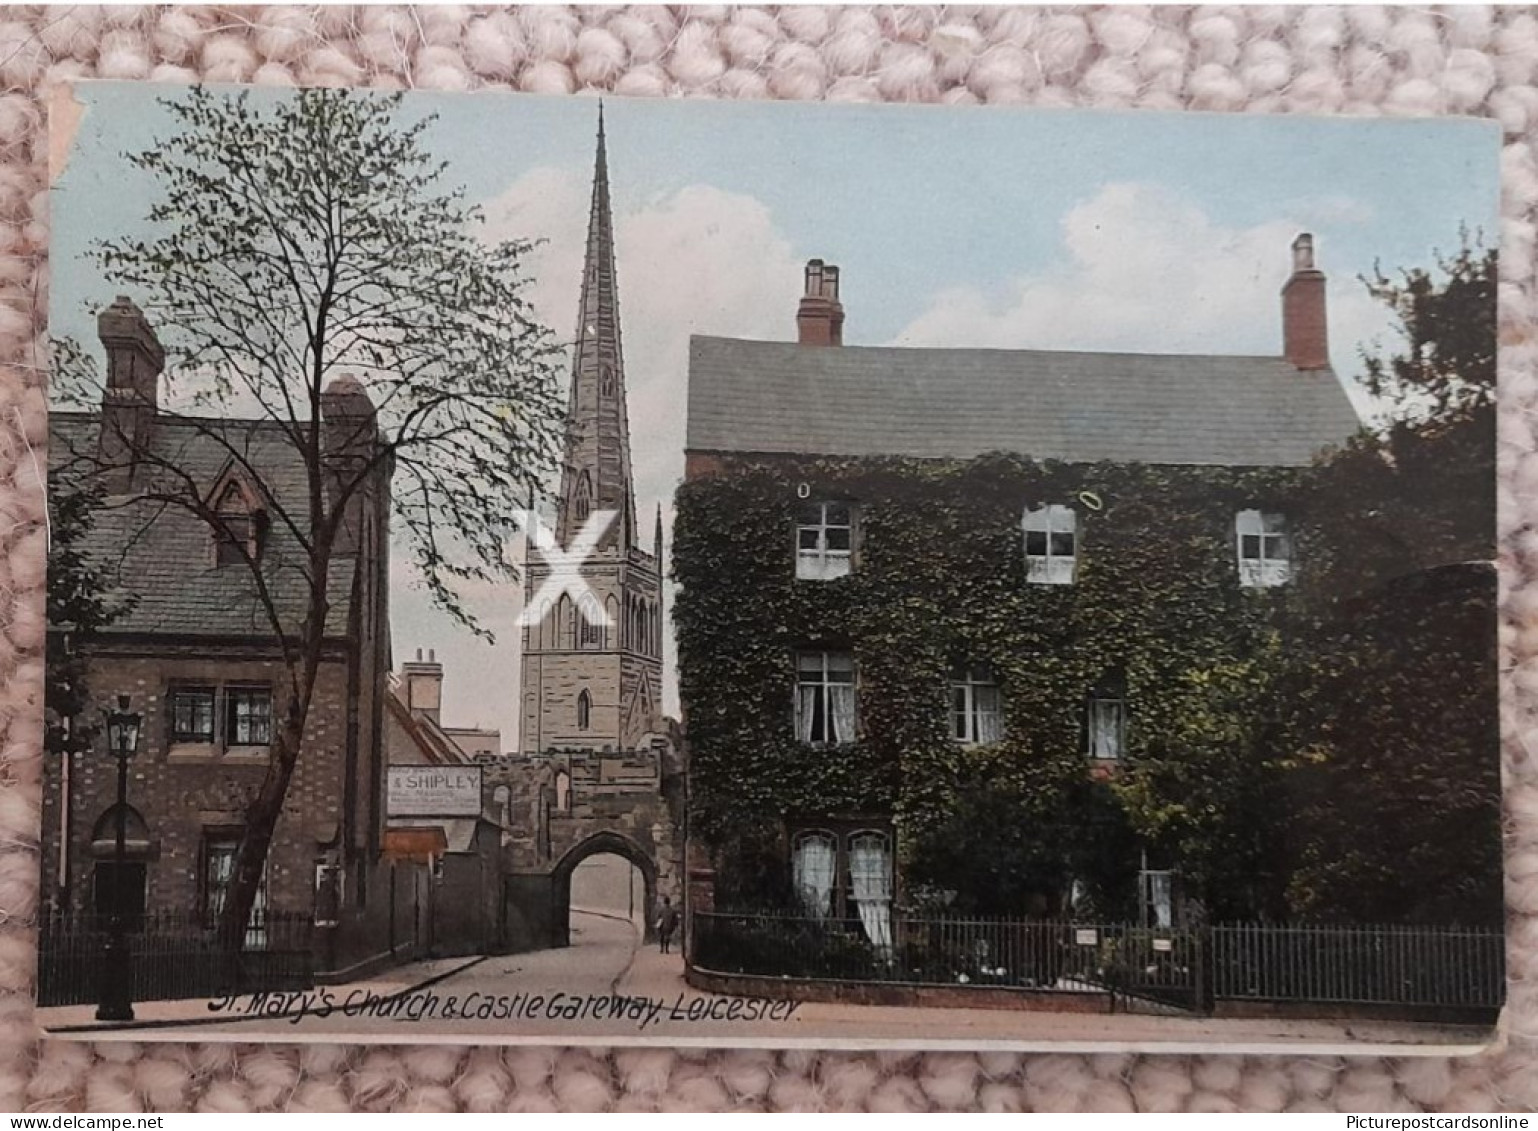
(1186, 968)
(1390, 965)
(174, 954)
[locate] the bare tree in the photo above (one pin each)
(311, 271)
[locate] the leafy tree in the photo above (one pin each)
(300, 241)
(1392, 691)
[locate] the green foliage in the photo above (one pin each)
(1392, 698)
(940, 579)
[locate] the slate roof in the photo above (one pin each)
(781, 397)
(163, 556)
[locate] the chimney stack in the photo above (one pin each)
(1305, 330)
(131, 397)
(820, 318)
(424, 686)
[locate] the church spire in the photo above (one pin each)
(596, 475)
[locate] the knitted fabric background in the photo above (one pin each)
(1473, 61)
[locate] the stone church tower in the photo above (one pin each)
(592, 671)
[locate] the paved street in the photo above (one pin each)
(608, 989)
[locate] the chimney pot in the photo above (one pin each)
(1305, 323)
(820, 317)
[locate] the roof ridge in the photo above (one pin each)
(1010, 350)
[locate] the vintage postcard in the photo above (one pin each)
(549, 570)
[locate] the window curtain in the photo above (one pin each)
(841, 711)
(813, 874)
(870, 878)
(1161, 900)
(1106, 728)
(806, 711)
(987, 701)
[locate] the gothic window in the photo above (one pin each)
(564, 620)
(582, 500)
(563, 790)
(606, 380)
(592, 628)
(824, 541)
(584, 711)
(825, 708)
(1051, 544)
(241, 523)
(1265, 552)
(974, 705)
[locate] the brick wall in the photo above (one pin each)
(182, 795)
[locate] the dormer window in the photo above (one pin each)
(824, 541)
(1051, 544)
(1265, 551)
(241, 524)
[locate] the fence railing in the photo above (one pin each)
(174, 954)
(1434, 966)
(1184, 968)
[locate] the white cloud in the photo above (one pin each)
(1146, 269)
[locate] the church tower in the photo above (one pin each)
(592, 669)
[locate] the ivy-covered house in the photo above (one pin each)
(987, 630)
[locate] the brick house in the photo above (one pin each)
(198, 653)
(819, 719)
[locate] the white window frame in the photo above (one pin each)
(820, 561)
(1267, 562)
(977, 722)
(1050, 566)
(822, 684)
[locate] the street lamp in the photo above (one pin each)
(116, 981)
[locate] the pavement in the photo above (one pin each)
(607, 988)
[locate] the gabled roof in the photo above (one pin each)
(781, 397)
(163, 556)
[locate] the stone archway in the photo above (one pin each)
(616, 844)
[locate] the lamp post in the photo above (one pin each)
(116, 981)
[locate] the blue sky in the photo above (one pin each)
(953, 226)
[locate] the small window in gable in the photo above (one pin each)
(241, 525)
(1265, 551)
(824, 541)
(1051, 544)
